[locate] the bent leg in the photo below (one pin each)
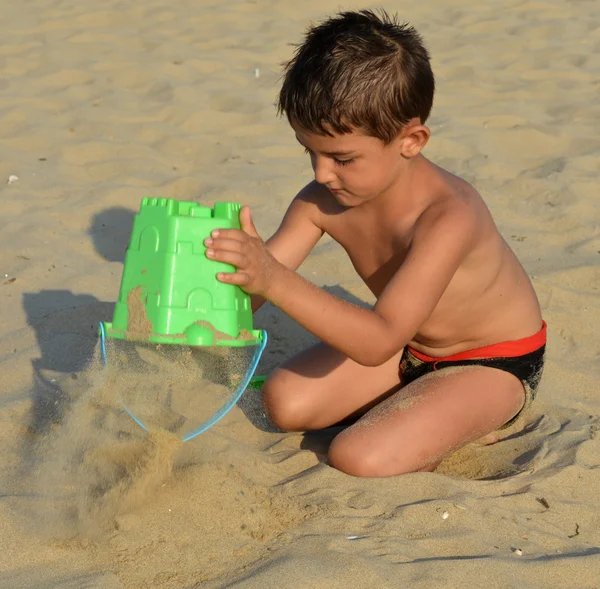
(414, 429)
(321, 386)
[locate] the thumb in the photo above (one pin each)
(246, 222)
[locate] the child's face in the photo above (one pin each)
(354, 167)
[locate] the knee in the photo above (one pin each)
(353, 459)
(353, 455)
(284, 404)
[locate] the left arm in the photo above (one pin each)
(367, 336)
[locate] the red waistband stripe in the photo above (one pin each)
(508, 349)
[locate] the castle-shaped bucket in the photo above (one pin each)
(181, 345)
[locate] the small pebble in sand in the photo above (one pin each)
(445, 515)
(256, 72)
(12, 178)
(518, 551)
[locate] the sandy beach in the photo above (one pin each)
(104, 103)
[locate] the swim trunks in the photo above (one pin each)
(523, 358)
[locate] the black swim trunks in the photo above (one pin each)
(523, 358)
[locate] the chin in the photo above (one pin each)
(351, 200)
(346, 199)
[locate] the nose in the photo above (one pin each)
(323, 169)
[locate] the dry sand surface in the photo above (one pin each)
(103, 103)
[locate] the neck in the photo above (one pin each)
(406, 193)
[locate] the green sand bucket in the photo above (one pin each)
(172, 311)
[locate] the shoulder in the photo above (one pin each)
(317, 195)
(456, 207)
(454, 219)
(315, 202)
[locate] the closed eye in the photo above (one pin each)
(335, 159)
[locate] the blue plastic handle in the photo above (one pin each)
(239, 391)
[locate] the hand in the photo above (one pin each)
(245, 250)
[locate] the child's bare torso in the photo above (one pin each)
(489, 299)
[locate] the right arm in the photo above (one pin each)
(299, 232)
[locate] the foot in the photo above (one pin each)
(488, 439)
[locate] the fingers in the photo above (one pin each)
(230, 245)
(235, 258)
(246, 222)
(229, 251)
(241, 249)
(234, 234)
(237, 278)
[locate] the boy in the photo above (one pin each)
(453, 348)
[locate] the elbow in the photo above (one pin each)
(379, 346)
(370, 362)
(374, 356)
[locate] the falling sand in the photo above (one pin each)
(97, 461)
(97, 476)
(96, 464)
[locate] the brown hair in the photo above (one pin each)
(358, 70)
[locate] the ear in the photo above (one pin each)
(414, 139)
